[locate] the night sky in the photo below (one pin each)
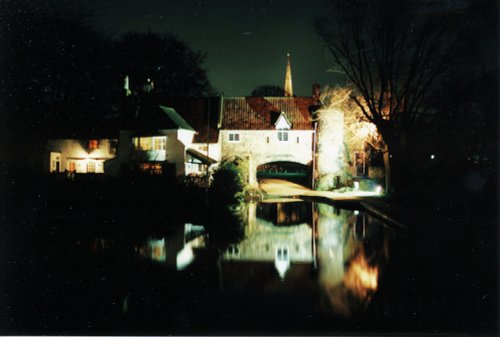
(246, 41)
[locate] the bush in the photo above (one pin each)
(227, 186)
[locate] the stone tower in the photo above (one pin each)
(288, 78)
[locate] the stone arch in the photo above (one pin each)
(257, 161)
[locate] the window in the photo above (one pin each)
(71, 166)
(93, 144)
(142, 143)
(234, 137)
(159, 143)
(91, 167)
(267, 140)
(298, 140)
(283, 135)
(151, 168)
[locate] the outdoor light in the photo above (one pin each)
(356, 185)
(378, 189)
(356, 212)
(433, 156)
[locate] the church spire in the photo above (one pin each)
(288, 78)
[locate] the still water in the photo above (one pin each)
(296, 262)
(294, 267)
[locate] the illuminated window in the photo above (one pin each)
(234, 137)
(151, 168)
(91, 167)
(159, 143)
(142, 143)
(283, 135)
(71, 166)
(93, 144)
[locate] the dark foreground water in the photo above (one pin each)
(293, 268)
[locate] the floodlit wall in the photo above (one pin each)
(263, 146)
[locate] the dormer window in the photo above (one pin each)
(283, 126)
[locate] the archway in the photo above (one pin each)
(285, 170)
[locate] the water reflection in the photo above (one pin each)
(330, 258)
(340, 252)
(177, 250)
(273, 235)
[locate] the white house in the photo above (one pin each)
(156, 141)
(79, 155)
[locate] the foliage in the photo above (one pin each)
(358, 131)
(228, 185)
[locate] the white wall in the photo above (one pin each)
(254, 147)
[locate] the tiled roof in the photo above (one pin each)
(260, 113)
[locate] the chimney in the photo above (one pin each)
(288, 78)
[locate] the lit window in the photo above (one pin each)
(234, 137)
(93, 144)
(142, 143)
(151, 168)
(159, 143)
(283, 135)
(91, 167)
(71, 166)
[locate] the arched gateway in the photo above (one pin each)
(287, 170)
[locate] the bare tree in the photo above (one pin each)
(393, 53)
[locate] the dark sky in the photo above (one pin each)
(246, 41)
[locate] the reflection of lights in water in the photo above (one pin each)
(360, 277)
(184, 257)
(157, 248)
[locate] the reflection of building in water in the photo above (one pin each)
(285, 213)
(265, 242)
(177, 250)
(352, 249)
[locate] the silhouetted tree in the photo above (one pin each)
(52, 66)
(394, 57)
(161, 65)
